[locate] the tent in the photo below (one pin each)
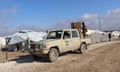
(23, 35)
(2, 42)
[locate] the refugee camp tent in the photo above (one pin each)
(97, 36)
(89, 32)
(2, 42)
(24, 35)
(18, 40)
(115, 34)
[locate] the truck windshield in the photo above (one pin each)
(54, 35)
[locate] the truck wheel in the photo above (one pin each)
(83, 48)
(53, 55)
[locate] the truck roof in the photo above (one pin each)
(62, 29)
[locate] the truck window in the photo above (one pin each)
(66, 35)
(74, 34)
(54, 35)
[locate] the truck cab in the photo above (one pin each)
(59, 41)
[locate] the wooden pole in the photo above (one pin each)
(1, 52)
(7, 54)
(6, 51)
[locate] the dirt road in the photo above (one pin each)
(103, 57)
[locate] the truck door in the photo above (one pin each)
(75, 40)
(66, 42)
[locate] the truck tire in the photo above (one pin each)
(53, 54)
(83, 48)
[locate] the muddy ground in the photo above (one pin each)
(102, 57)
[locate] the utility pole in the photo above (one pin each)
(99, 23)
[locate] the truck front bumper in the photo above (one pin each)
(39, 52)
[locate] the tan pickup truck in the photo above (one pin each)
(59, 41)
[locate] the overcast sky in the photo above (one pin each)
(41, 15)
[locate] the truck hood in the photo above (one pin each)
(49, 41)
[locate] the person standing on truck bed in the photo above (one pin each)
(84, 29)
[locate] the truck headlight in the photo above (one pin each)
(42, 46)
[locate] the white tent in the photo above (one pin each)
(2, 42)
(115, 33)
(24, 35)
(89, 32)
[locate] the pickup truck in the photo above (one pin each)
(59, 41)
